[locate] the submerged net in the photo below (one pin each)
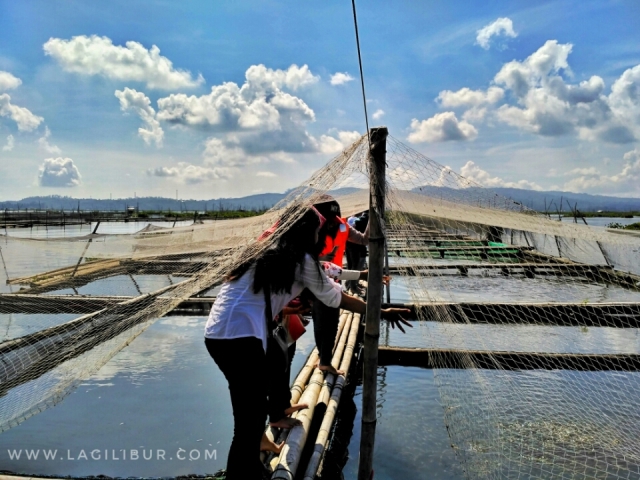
(529, 322)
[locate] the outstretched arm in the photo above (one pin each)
(393, 315)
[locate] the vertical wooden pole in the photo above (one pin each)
(377, 166)
(386, 271)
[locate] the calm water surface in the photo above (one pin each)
(163, 391)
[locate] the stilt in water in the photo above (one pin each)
(377, 165)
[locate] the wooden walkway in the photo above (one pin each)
(494, 360)
(612, 314)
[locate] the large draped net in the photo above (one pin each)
(530, 323)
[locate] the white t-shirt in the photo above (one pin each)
(238, 312)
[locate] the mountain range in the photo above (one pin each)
(536, 200)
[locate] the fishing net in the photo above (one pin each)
(530, 323)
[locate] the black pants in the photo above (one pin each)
(256, 387)
(325, 329)
(278, 390)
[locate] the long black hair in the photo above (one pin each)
(277, 265)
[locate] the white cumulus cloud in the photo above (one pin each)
(293, 78)
(190, 174)
(465, 97)
(8, 81)
(442, 127)
(266, 174)
(520, 77)
(44, 144)
(473, 172)
(378, 114)
(626, 181)
(624, 99)
(138, 102)
(96, 55)
(261, 116)
(219, 153)
(502, 27)
(549, 106)
(330, 144)
(10, 144)
(340, 78)
(25, 120)
(59, 172)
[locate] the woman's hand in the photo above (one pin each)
(364, 275)
(329, 256)
(394, 317)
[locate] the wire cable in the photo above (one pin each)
(364, 97)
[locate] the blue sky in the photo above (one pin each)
(233, 98)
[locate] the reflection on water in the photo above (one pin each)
(112, 228)
(543, 424)
(123, 285)
(491, 286)
(530, 424)
(411, 438)
(162, 392)
(602, 222)
(515, 338)
(14, 325)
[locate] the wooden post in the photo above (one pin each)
(377, 182)
(386, 270)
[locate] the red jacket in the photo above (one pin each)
(340, 241)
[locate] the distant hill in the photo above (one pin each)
(538, 201)
(253, 202)
(529, 198)
(586, 203)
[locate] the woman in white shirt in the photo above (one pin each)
(236, 331)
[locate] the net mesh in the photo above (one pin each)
(529, 322)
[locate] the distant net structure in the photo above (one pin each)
(530, 323)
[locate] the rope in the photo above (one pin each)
(364, 97)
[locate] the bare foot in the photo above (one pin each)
(295, 407)
(330, 369)
(286, 423)
(267, 445)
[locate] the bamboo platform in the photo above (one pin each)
(442, 358)
(617, 315)
(78, 276)
(62, 304)
(608, 275)
(432, 235)
(483, 252)
(29, 219)
(505, 267)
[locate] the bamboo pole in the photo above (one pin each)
(327, 422)
(297, 390)
(386, 271)
(305, 373)
(377, 187)
(303, 377)
(316, 393)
